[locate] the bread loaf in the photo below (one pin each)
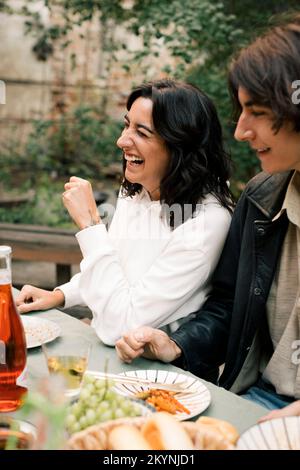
(223, 428)
(126, 437)
(164, 432)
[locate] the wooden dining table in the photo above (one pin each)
(224, 404)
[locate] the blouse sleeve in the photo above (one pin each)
(71, 292)
(184, 266)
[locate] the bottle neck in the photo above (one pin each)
(5, 278)
(5, 270)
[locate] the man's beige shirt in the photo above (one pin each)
(283, 307)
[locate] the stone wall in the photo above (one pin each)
(36, 89)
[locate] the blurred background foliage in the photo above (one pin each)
(81, 141)
(200, 36)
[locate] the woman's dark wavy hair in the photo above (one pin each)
(267, 68)
(186, 119)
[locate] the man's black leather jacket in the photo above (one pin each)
(224, 328)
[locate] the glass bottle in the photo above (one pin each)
(12, 339)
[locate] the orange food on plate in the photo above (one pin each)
(163, 400)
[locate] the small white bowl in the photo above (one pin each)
(275, 434)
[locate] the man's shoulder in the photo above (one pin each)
(267, 192)
(265, 181)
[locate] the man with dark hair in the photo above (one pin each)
(251, 320)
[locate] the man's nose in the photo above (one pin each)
(242, 132)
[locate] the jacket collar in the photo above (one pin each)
(267, 192)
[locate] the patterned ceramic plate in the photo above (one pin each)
(39, 331)
(195, 402)
(276, 434)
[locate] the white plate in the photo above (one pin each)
(39, 331)
(276, 434)
(195, 402)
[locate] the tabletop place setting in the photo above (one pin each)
(132, 409)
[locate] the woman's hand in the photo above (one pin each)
(32, 298)
(79, 200)
(290, 410)
(147, 342)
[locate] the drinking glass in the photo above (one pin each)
(68, 357)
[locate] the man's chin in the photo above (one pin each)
(271, 171)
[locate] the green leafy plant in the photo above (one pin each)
(46, 409)
(43, 208)
(200, 36)
(80, 142)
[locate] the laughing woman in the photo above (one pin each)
(154, 264)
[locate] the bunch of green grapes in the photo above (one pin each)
(97, 403)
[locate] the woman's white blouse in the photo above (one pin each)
(141, 272)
